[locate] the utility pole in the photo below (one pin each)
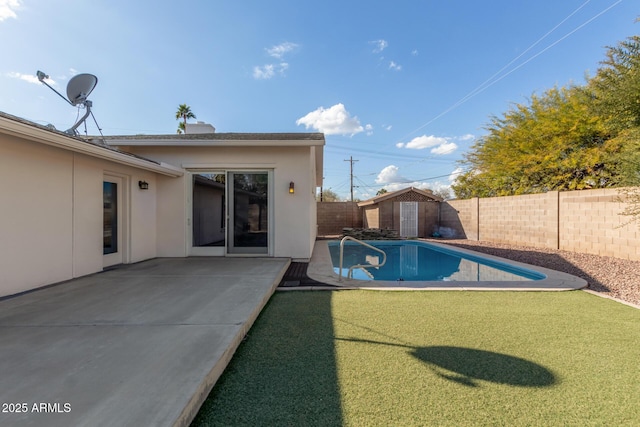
(351, 161)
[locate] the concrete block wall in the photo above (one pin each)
(590, 222)
(334, 216)
(586, 221)
(530, 220)
(428, 218)
(459, 219)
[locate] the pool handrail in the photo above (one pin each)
(350, 272)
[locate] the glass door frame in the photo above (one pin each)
(224, 250)
(121, 253)
(203, 250)
(241, 251)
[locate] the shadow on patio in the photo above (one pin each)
(264, 386)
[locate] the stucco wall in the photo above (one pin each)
(371, 216)
(52, 214)
(36, 238)
(294, 221)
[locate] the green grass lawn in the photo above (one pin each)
(379, 358)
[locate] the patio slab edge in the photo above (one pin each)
(202, 392)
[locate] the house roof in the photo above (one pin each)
(299, 139)
(393, 194)
(22, 128)
(230, 139)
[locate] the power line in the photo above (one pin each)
(351, 161)
(490, 81)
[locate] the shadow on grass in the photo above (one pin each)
(541, 259)
(466, 365)
(469, 364)
(284, 373)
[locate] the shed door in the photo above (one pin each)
(408, 219)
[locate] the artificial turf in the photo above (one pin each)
(380, 358)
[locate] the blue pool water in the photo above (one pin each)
(410, 260)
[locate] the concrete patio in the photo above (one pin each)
(138, 345)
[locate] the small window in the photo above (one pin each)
(110, 217)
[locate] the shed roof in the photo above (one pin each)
(394, 194)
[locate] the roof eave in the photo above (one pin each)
(56, 139)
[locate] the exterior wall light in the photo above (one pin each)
(291, 187)
(144, 185)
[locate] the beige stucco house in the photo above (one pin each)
(73, 206)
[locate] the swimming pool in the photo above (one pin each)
(418, 261)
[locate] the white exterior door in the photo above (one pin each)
(113, 195)
(408, 219)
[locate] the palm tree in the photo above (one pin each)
(184, 112)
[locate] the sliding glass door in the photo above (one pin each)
(208, 213)
(249, 213)
(230, 213)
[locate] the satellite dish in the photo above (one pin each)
(79, 88)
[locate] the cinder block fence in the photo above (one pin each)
(587, 221)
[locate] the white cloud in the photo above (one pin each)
(424, 141)
(467, 137)
(335, 120)
(8, 9)
(438, 144)
(265, 72)
(30, 78)
(414, 52)
(268, 71)
(446, 148)
(380, 45)
(391, 180)
(390, 175)
(387, 127)
(369, 129)
(453, 176)
(394, 66)
(278, 51)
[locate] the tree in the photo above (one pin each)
(554, 143)
(615, 89)
(381, 192)
(444, 193)
(569, 138)
(184, 112)
(329, 196)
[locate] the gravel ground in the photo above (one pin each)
(614, 277)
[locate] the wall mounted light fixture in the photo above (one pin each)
(291, 187)
(144, 185)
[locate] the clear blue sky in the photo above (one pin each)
(404, 87)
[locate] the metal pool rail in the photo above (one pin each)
(350, 272)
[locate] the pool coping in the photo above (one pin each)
(321, 269)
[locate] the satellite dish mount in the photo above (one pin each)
(78, 89)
